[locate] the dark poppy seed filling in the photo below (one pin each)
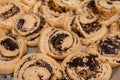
(57, 40)
(11, 12)
(91, 27)
(20, 23)
(91, 6)
(89, 61)
(79, 62)
(110, 45)
(9, 44)
(56, 7)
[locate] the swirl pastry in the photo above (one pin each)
(86, 26)
(85, 67)
(108, 49)
(58, 43)
(27, 5)
(29, 27)
(105, 7)
(37, 67)
(9, 11)
(53, 10)
(12, 48)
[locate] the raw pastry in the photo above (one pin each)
(37, 66)
(58, 43)
(29, 27)
(12, 48)
(84, 66)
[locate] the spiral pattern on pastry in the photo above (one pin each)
(108, 50)
(86, 26)
(84, 66)
(9, 11)
(37, 66)
(105, 7)
(12, 48)
(53, 10)
(29, 27)
(58, 43)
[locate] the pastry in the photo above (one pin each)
(108, 50)
(115, 28)
(9, 11)
(108, 12)
(29, 27)
(58, 43)
(37, 66)
(86, 26)
(27, 5)
(84, 66)
(53, 10)
(72, 4)
(105, 7)
(2, 33)
(116, 3)
(87, 6)
(12, 48)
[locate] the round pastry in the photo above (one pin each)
(12, 48)
(9, 11)
(37, 67)
(27, 5)
(29, 27)
(85, 67)
(108, 50)
(105, 7)
(53, 10)
(86, 26)
(58, 43)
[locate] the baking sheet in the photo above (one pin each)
(115, 74)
